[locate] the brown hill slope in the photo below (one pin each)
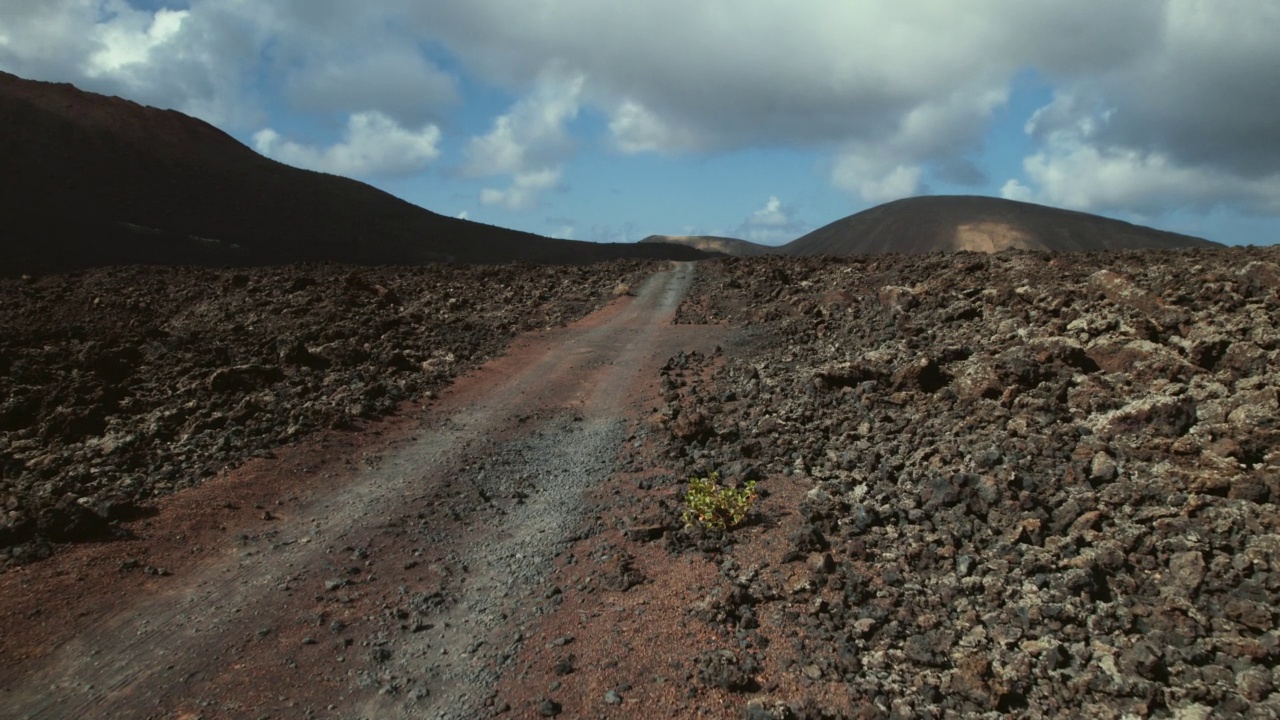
(96, 180)
(715, 244)
(983, 224)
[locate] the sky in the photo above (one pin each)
(759, 119)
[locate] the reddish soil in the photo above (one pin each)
(289, 586)
(1021, 484)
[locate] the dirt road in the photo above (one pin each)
(391, 574)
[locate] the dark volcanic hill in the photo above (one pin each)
(982, 224)
(96, 180)
(715, 244)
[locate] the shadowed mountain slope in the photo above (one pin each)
(96, 180)
(715, 244)
(982, 224)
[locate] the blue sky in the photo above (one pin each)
(761, 119)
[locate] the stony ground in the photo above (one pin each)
(1014, 485)
(120, 385)
(1039, 485)
(392, 572)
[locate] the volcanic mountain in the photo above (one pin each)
(982, 224)
(715, 244)
(95, 180)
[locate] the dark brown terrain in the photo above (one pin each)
(1023, 484)
(1039, 485)
(119, 385)
(981, 224)
(93, 180)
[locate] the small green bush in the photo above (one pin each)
(714, 506)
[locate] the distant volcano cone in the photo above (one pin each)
(950, 223)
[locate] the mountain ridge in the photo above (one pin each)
(100, 180)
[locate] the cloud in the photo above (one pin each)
(674, 76)
(935, 133)
(635, 129)
(875, 176)
(894, 94)
(226, 62)
(1076, 170)
(898, 92)
(773, 224)
(131, 39)
(1187, 121)
(397, 81)
(529, 143)
(525, 190)
(48, 38)
(373, 145)
(196, 60)
(1013, 189)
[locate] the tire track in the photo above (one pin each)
(191, 639)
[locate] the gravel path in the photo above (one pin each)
(402, 589)
(546, 472)
(472, 640)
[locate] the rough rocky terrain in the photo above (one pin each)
(1023, 484)
(120, 385)
(393, 572)
(1037, 485)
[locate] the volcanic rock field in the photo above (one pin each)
(1027, 484)
(121, 384)
(1038, 484)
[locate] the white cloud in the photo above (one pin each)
(525, 190)
(1186, 122)
(48, 38)
(634, 129)
(901, 90)
(1076, 172)
(673, 76)
(131, 37)
(1013, 189)
(875, 176)
(936, 132)
(896, 93)
(195, 60)
(773, 224)
(529, 143)
(373, 145)
(214, 58)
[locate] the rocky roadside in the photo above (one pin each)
(1015, 485)
(123, 384)
(1031, 485)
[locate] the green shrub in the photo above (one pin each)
(714, 506)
